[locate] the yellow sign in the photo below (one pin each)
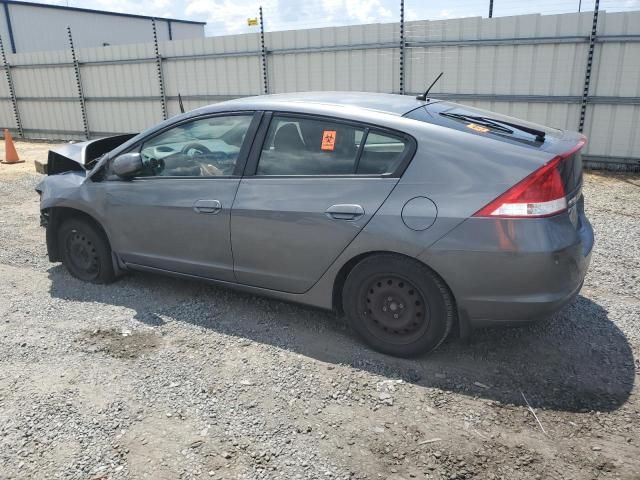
(252, 22)
(478, 128)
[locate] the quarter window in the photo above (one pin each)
(207, 147)
(305, 146)
(381, 154)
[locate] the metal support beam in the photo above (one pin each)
(402, 45)
(490, 8)
(263, 53)
(163, 97)
(498, 41)
(633, 38)
(7, 17)
(587, 74)
(12, 92)
(76, 67)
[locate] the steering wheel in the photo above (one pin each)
(194, 149)
(152, 166)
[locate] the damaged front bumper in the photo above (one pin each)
(78, 156)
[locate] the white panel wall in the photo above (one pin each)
(122, 90)
(115, 92)
(543, 69)
(614, 130)
(56, 117)
(215, 75)
(359, 69)
(7, 119)
(44, 92)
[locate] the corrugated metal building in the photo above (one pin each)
(35, 27)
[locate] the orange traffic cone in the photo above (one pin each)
(10, 153)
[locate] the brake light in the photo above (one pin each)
(541, 194)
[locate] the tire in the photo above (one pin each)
(397, 305)
(85, 251)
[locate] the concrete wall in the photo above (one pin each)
(529, 66)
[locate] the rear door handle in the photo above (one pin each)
(345, 211)
(207, 206)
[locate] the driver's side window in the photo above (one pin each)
(201, 148)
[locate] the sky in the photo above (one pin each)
(230, 16)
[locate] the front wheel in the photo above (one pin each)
(398, 305)
(85, 251)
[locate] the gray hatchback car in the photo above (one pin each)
(414, 217)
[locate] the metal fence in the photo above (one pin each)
(575, 71)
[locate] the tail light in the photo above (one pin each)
(541, 194)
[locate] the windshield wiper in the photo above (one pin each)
(479, 120)
(539, 134)
(497, 124)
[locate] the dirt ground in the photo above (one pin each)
(154, 377)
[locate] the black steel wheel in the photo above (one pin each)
(85, 251)
(82, 254)
(394, 310)
(398, 305)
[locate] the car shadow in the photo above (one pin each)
(577, 361)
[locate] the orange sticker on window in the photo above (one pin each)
(477, 128)
(328, 140)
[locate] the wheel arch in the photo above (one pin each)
(56, 216)
(460, 327)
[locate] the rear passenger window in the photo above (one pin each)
(305, 146)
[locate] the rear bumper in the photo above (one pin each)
(520, 311)
(513, 271)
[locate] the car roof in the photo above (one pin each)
(356, 106)
(380, 102)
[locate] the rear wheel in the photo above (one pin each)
(398, 305)
(85, 251)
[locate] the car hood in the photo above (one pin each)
(79, 156)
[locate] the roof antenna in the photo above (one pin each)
(180, 103)
(423, 97)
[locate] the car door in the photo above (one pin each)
(311, 184)
(175, 214)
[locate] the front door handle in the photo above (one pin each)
(345, 211)
(207, 206)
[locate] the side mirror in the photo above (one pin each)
(127, 164)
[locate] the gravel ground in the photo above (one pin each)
(154, 377)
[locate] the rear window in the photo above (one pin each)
(484, 123)
(316, 146)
